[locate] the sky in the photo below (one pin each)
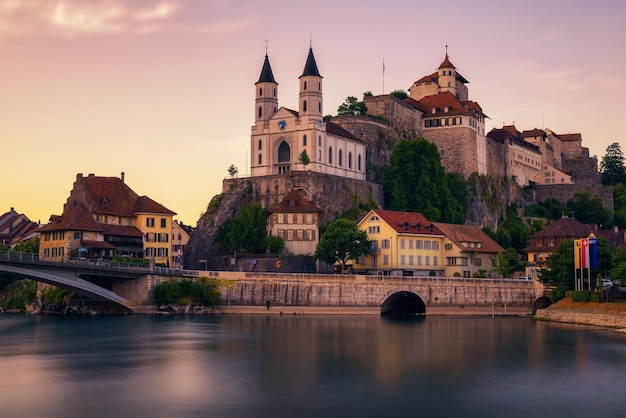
(163, 90)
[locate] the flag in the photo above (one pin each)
(593, 252)
(576, 253)
(584, 253)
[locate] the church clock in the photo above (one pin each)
(282, 124)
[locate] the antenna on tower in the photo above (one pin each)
(266, 42)
(446, 49)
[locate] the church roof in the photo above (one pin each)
(310, 68)
(334, 129)
(267, 76)
(447, 64)
(294, 202)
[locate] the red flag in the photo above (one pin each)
(584, 256)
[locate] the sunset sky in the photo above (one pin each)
(163, 90)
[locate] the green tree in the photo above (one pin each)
(400, 94)
(31, 246)
(619, 205)
(588, 210)
(550, 208)
(612, 165)
(273, 244)
(618, 270)
(352, 106)
(244, 231)
(416, 181)
(303, 158)
(232, 170)
(341, 242)
(508, 262)
(559, 270)
(367, 94)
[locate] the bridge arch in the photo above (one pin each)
(541, 303)
(403, 303)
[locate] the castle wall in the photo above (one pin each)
(496, 158)
(584, 170)
(457, 147)
(400, 115)
(572, 149)
(564, 192)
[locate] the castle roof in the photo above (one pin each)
(570, 137)
(310, 68)
(460, 235)
(447, 64)
(434, 78)
(509, 132)
(437, 104)
(534, 133)
(267, 76)
(294, 202)
(407, 222)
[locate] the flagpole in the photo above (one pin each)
(383, 75)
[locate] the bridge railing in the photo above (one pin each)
(19, 257)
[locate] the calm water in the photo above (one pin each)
(297, 366)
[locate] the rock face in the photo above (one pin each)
(331, 194)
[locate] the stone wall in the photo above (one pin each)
(564, 192)
(584, 170)
(401, 116)
(457, 147)
(497, 161)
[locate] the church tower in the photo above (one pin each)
(311, 89)
(447, 76)
(266, 102)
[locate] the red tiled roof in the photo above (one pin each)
(512, 130)
(407, 222)
(570, 137)
(440, 101)
(144, 204)
(561, 228)
(108, 195)
(294, 202)
(75, 219)
(123, 230)
(615, 238)
(447, 64)
(534, 133)
(468, 233)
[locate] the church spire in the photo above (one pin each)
(267, 76)
(311, 89)
(310, 68)
(266, 102)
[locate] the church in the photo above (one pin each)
(285, 140)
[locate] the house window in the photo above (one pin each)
(330, 155)
(150, 222)
(478, 262)
(402, 243)
(539, 242)
(411, 260)
(427, 245)
(78, 235)
(385, 259)
(418, 244)
(290, 235)
(300, 234)
(310, 235)
(419, 260)
(448, 247)
(386, 243)
(163, 222)
(435, 261)
(435, 245)
(402, 260)
(428, 260)
(373, 229)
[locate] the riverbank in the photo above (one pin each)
(611, 314)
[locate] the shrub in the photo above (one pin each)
(54, 296)
(202, 290)
(583, 296)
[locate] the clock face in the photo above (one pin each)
(282, 124)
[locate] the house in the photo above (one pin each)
(296, 220)
(104, 217)
(616, 237)
(403, 243)
(180, 238)
(468, 251)
(16, 227)
(545, 242)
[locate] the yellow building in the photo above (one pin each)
(403, 243)
(104, 217)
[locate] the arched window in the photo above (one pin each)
(340, 158)
(260, 91)
(260, 144)
(349, 159)
(319, 156)
(304, 106)
(319, 107)
(359, 162)
(260, 111)
(304, 141)
(284, 152)
(319, 141)
(305, 85)
(330, 155)
(260, 159)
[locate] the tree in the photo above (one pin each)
(352, 106)
(303, 158)
(232, 170)
(400, 94)
(619, 204)
(508, 262)
(559, 270)
(31, 246)
(416, 181)
(618, 270)
(612, 165)
(588, 211)
(244, 231)
(341, 242)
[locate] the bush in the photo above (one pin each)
(19, 294)
(184, 292)
(54, 296)
(583, 296)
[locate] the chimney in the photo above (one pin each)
(122, 177)
(79, 176)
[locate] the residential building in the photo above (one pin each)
(103, 217)
(180, 238)
(280, 136)
(16, 227)
(545, 242)
(616, 237)
(468, 251)
(403, 243)
(296, 220)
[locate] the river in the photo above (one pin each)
(307, 366)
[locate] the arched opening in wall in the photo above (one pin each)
(541, 303)
(340, 158)
(260, 159)
(403, 303)
(304, 106)
(350, 160)
(330, 155)
(260, 112)
(284, 152)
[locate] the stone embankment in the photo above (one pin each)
(599, 314)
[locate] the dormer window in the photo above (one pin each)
(374, 218)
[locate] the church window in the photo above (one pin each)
(330, 155)
(260, 159)
(304, 106)
(319, 107)
(260, 91)
(350, 160)
(304, 141)
(305, 85)
(319, 141)
(260, 144)
(340, 158)
(284, 152)
(319, 157)
(260, 111)
(359, 162)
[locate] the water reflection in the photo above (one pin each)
(284, 366)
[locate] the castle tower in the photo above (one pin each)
(447, 76)
(266, 102)
(311, 89)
